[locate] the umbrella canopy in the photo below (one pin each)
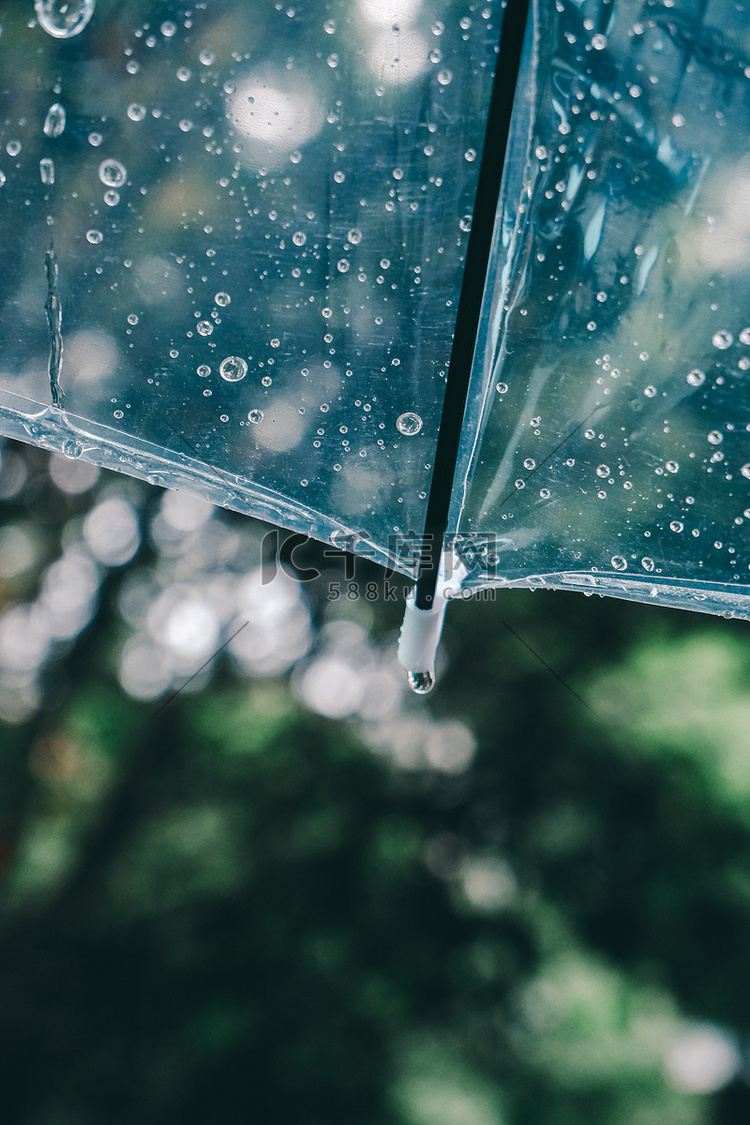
(240, 260)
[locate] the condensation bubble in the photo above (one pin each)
(204, 370)
(222, 300)
(619, 563)
(112, 173)
(233, 368)
(204, 327)
(647, 563)
(136, 112)
(715, 437)
(435, 55)
(722, 340)
(255, 416)
(675, 525)
(409, 423)
(94, 236)
(62, 19)
(54, 122)
(696, 378)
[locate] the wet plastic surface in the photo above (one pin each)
(233, 239)
(606, 443)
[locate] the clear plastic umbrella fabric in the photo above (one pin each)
(233, 238)
(606, 444)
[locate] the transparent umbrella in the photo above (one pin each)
(313, 264)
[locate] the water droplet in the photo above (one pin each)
(204, 370)
(649, 391)
(204, 327)
(295, 156)
(2, 178)
(354, 236)
(445, 76)
(529, 463)
(206, 56)
(266, 382)
(112, 173)
(678, 120)
(54, 122)
(519, 484)
(465, 223)
(436, 55)
(255, 416)
(132, 318)
(223, 417)
(136, 112)
(339, 177)
(676, 525)
(502, 388)
(299, 238)
(222, 300)
(118, 414)
(333, 61)
(589, 434)
(47, 170)
(715, 437)
(544, 493)
(111, 198)
(421, 683)
(409, 423)
(619, 563)
(327, 313)
(599, 42)
(696, 378)
(603, 471)
(438, 27)
(94, 236)
(72, 448)
(342, 265)
(722, 340)
(63, 19)
(329, 27)
(233, 368)
(183, 73)
(745, 470)
(13, 148)
(647, 563)
(95, 139)
(672, 466)
(470, 154)
(168, 28)
(745, 336)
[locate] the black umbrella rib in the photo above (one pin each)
(472, 290)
